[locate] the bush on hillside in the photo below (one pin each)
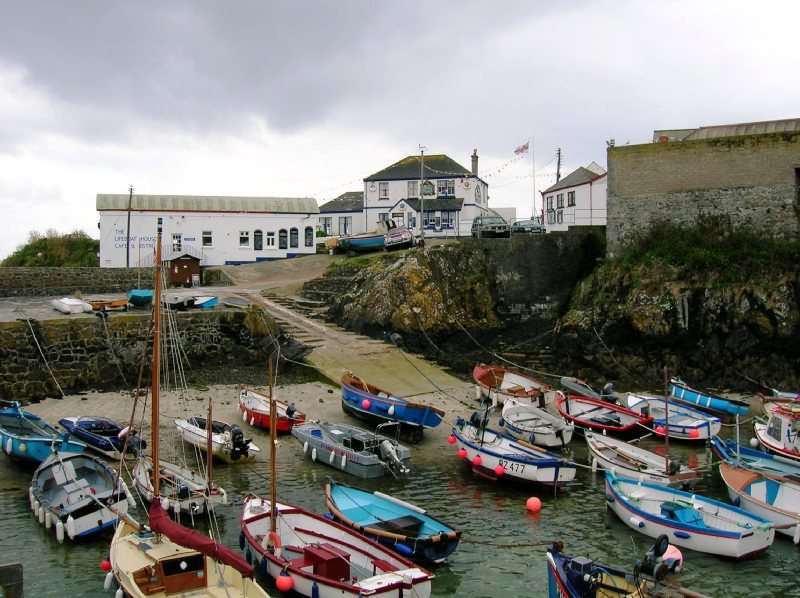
(53, 249)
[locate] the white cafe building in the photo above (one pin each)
(216, 229)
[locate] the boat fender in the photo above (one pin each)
(682, 535)
(609, 497)
(244, 416)
(60, 531)
(131, 500)
(477, 392)
(48, 522)
(796, 536)
(252, 421)
(594, 464)
(30, 497)
(41, 515)
(224, 496)
(315, 590)
(391, 410)
(177, 507)
(344, 463)
(70, 527)
(35, 507)
(119, 593)
(403, 549)
(314, 454)
(263, 564)
(8, 446)
(532, 438)
(241, 540)
(331, 458)
(636, 522)
(501, 422)
(165, 503)
(124, 432)
(248, 556)
(107, 581)
(305, 447)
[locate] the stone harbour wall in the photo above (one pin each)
(91, 353)
(46, 282)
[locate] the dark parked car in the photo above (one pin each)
(527, 226)
(490, 226)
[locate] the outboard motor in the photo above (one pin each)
(608, 393)
(290, 411)
(240, 446)
(654, 564)
(390, 458)
(183, 491)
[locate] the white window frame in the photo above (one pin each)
(270, 240)
(399, 218)
(326, 224)
(570, 199)
(208, 238)
(244, 239)
(446, 187)
(345, 225)
(413, 189)
(383, 190)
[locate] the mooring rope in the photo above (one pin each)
(38, 346)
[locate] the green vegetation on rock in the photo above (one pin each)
(53, 249)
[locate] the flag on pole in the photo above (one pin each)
(522, 149)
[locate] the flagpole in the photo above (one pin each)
(533, 168)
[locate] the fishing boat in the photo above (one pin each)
(688, 520)
(402, 526)
(353, 450)
(317, 557)
(104, 435)
(255, 410)
(772, 497)
(71, 305)
(496, 456)
(205, 301)
(684, 422)
(781, 433)
(738, 454)
(583, 389)
(165, 558)
(582, 577)
(227, 441)
(370, 402)
(680, 391)
(27, 437)
(535, 425)
(635, 462)
(156, 479)
(362, 243)
(140, 297)
(104, 305)
(602, 416)
(498, 383)
(778, 397)
(77, 495)
(398, 237)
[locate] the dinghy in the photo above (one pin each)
(680, 391)
(602, 416)
(498, 383)
(27, 437)
(227, 441)
(255, 410)
(70, 305)
(684, 422)
(104, 435)
(535, 425)
(738, 454)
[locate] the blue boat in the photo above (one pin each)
(367, 401)
(205, 301)
(27, 437)
(362, 243)
(103, 435)
(744, 456)
(140, 297)
(681, 392)
(402, 526)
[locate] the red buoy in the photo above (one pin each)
(451, 439)
(533, 504)
(499, 470)
(462, 453)
(105, 565)
(694, 433)
(476, 460)
(284, 582)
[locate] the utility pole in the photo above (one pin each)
(128, 231)
(422, 149)
(558, 165)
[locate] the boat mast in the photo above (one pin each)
(273, 444)
(666, 422)
(156, 367)
(209, 429)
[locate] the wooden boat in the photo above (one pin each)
(772, 497)
(535, 425)
(77, 495)
(70, 305)
(178, 302)
(104, 305)
(684, 422)
(402, 526)
(496, 456)
(367, 401)
(688, 520)
(581, 577)
(363, 243)
(353, 450)
(781, 433)
(27, 437)
(140, 297)
(164, 558)
(498, 383)
(602, 416)
(635, 462)
(204, 301)
(227, 441)
(104, 435)
(254, 408)
(777, 397)
(321, 558)
(681, 392)
(580, 388)
(738, 454)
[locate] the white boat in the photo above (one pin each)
(769, 496)
(227, 441)
(781, 434)
(535, 425)
(688, 520)
(70, 305)
(164, 558)
(498, 383)
(497, 456)
(640, 464)
(77, 495)
(682, 422)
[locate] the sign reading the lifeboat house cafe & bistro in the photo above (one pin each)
(427, 188)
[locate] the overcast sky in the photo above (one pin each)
(306, 98)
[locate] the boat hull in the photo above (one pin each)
(180, 490)
(535, 425)
(28, 438)
(683, 423)
(498, 383)
(102, 435)
(680, 392)
(224, 444)
(140, 297)
(255, 410)
(602, 416)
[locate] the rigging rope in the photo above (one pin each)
(38, 346)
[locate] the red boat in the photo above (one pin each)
(499, 383)
(255, 410)
(602, 416)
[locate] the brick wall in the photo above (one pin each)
(747, 180)
(46, 282)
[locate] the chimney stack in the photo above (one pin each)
(475, 162)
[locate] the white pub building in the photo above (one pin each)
(217, 230)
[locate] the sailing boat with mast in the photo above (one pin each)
(165, 558)
(317, 557)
